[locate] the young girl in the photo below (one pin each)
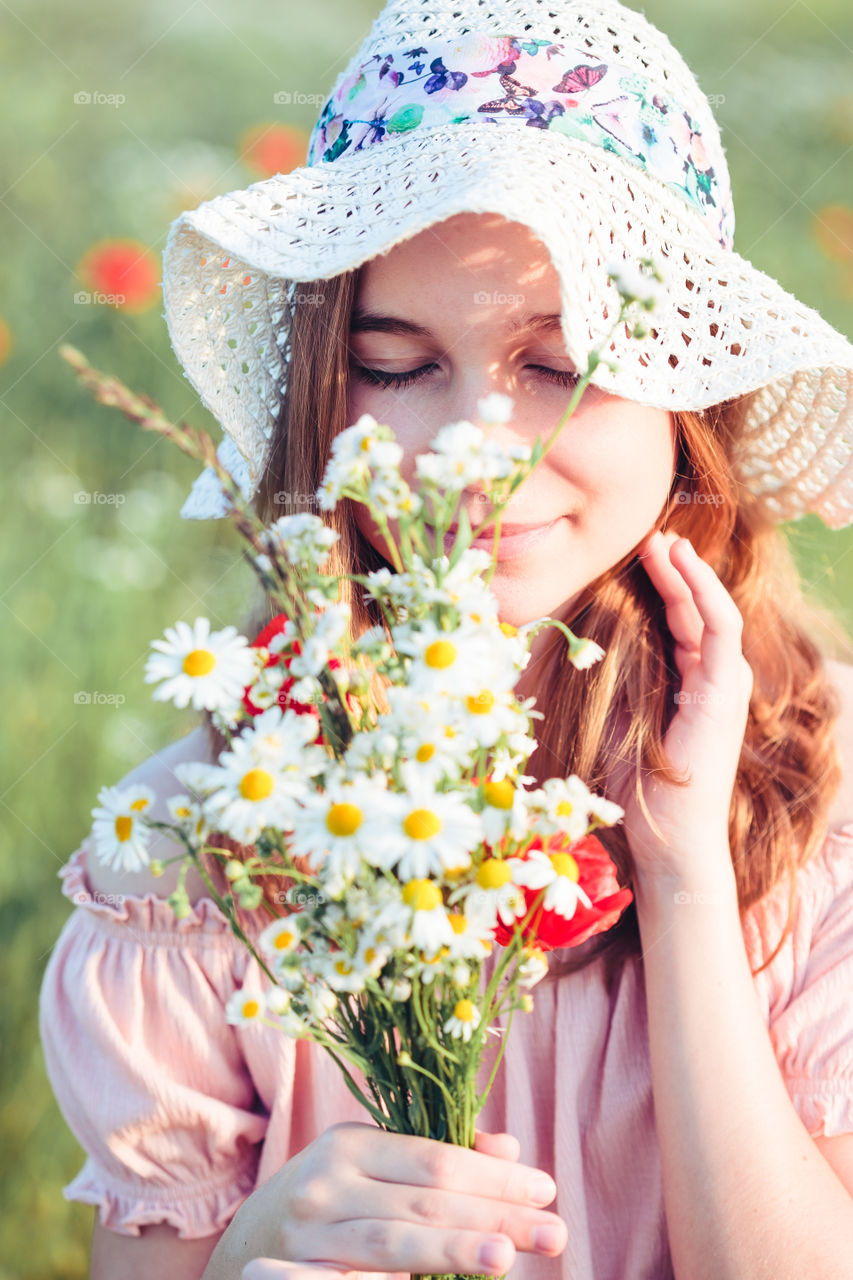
(680, 1101)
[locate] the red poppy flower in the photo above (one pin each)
(268, 149)
(596, 875)
(121, 273)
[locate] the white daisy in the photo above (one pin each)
(120, 837)
(341, 825)
(495, 409)
(189, 813)
(244, 1007)
(561, 805)
(467, 942)
(280, 937)
(504, 812)
(533, 967)
(492, 895)
(463, 1021)
(489, 713)
(263, 775)
(560, 872)
(425, 831)
(343, 972)
(211, 669)
(429, 927)
(450, 662)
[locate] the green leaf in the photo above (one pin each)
(406, 118)
(463, 537)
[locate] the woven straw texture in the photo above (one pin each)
(235, 267)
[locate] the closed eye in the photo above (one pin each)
(382, 378)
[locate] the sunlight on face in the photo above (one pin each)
(470, 284)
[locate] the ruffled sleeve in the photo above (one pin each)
(148, 1074)
(807, 989)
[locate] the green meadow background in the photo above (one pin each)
(85, 586)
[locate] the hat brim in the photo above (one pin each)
(724, 329)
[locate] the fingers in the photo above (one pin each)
(424, 1162)
(682, 615)
(415, 1216)
(503, 1145)
(426, 1247)
(700, 613)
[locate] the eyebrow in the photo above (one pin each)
(372, 322)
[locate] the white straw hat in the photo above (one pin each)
(579, 120)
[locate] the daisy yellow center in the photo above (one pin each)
(425, 752)
(139, 804)
(422, 824)
(458, 922)
(199, 662)
(493, 874)
(465, 1010)
(422, 895)
(449, 732)
(453, 873)
(370, 955)
(508, 629)
(499, 794)
(565, 865)
(366, 443)
(565, 808)
(183, 812)
(343, 968)
(535, 953)
(344, 819)
(251, 1009)
(440, 654)
(475, 617)
(256, 784)
(283, 940)
(124, 826)
(480, 704)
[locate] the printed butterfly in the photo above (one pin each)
(580, 78)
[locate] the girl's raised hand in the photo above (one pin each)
(361, 1199)
(705, 737)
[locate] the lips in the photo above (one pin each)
(506, 528)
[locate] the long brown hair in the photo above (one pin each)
(789, 770)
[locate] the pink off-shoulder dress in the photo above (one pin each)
(182, 1115)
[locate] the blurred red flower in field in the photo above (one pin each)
(121, 273)
(5, 342)
(267, 149)
(833, 229)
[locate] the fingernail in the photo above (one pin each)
(494, 1253)
(690, 547)
(547, 1238)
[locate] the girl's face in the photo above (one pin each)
(463, 293)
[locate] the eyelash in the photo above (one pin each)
(381, 378)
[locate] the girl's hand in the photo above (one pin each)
(361, 1199)
(705, 738)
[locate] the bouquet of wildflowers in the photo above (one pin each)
(414, 843)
